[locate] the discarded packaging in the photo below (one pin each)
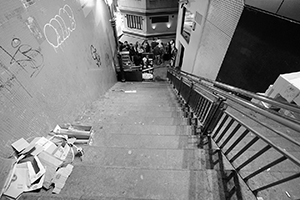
(130, 91)
(39, 163)
(6, 173)
(60, 178)
(51, 164)
(35, 168)
(80, 132)
(20, 145)
(21, 180)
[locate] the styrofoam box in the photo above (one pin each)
(287, 85)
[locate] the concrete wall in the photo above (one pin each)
(212, 35)
(56, 57)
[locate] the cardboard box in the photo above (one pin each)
(51, 164)
(6, 173)
(287, 85)
(296, 100)
(77, 131)
(20, 145)
(35, 168)
(21, 181)
(61, 177)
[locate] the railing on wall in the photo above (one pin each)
(256, 141)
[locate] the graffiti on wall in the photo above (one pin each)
(8, 80)
(35, 29)
(7, 77)
(25, 57)
(27, 3)
(95, 55)
(59, 28)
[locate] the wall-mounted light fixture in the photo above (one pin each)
(153, 26)
(169, 25)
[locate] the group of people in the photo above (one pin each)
(144, 53)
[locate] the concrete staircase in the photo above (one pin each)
(142, 148)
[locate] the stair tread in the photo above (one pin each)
(142, 129)
(94, 181)
(141, 108)
(132, 120)
(145, 141)
(142, 114)
(144, 158)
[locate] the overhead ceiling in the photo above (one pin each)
(286, 8)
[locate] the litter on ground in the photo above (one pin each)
(43, 162)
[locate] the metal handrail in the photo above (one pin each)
(295, 125)
(270, 128)
(233, 89)
(232, 101)
(269, 142)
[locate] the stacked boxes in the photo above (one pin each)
(286, 88)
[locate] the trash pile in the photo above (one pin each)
(45, 161)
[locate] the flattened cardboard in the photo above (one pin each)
(7, 167)
(35, 168)
(42, 141)
(78, 131)
(51, 164)
(38, 144)
(50, 147)
(37, 185)
(21, 182)
(61, 177)
(18, 183)
(31, 145)
(20, 145)
(37, 150)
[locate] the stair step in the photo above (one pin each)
(96, 114)
(145, 141)
(95, 182)
(137, 102)
(132, 120)
(142, 129)
(139, 94)
(140, 90)
(37, 196)
(144, 158)
(158, 85)
(141, 108)
(141, 102)
(142, 114)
